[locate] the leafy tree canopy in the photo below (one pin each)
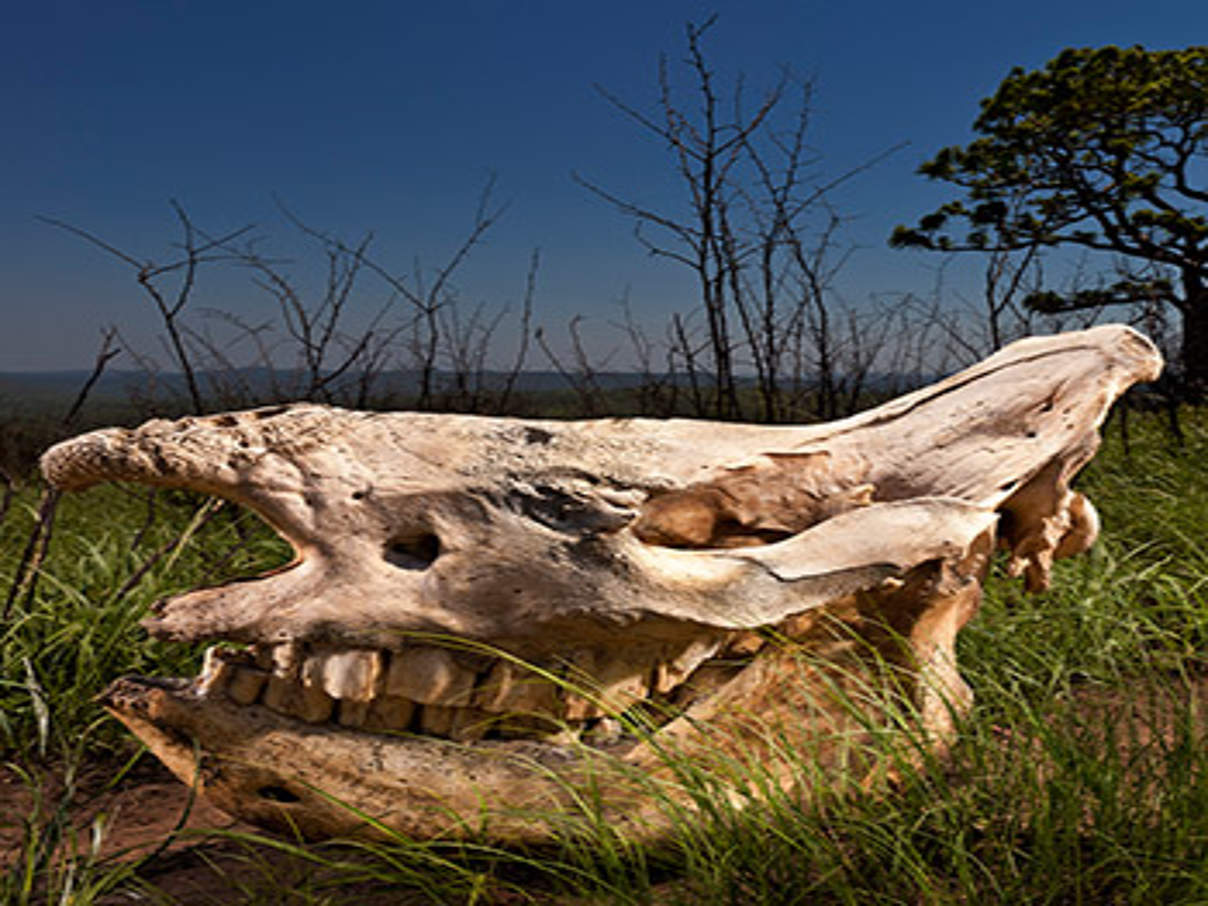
(1103, 148)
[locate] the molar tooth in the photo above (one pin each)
(350, 674)
(245, 683)
(611, 684)
(430, 676)
(514, 688)
(306, 701)
(470, 724)
(389, 712)
(232, 672)
(285, 658)
(461, 724)
(669, 674)
(602, 732)
(263, 656)
(744, 644)
(352, 713)
(435, 720)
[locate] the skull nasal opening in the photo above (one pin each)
(413, 551)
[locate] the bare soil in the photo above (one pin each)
(189, 852)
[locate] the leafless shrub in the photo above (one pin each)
(170, 285)
(759, 236)
(581, 377)
(336, 342)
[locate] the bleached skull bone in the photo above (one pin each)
(512, 584)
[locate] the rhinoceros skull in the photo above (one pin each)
(483, 612)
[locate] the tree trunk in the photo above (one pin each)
(1194, 352)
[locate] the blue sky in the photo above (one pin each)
(390, 116)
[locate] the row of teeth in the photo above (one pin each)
(464, 696)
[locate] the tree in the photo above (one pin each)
(1104, 149)
(759, 236)
(322, 347)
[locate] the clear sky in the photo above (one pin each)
(389, 117)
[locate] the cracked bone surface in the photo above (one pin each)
(485, 612)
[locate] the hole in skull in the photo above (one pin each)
(276, 794)
(413, 551)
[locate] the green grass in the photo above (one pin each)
(1080, 776)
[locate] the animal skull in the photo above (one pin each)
(478, 605)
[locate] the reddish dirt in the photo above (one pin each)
(193, 853)
(146, 813)
(139, 811)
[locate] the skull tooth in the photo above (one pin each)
(434, 690)
(436, 720)
(389, 712)
(609, 684)
(430, 676)
(471, 724)
(461, 724)
(352, 713)
(263, 656)
(232, 672)
(286, 659)
(669, 674)
(602, 732)
(308, 702)
(245, 683)
(515, 688)
(351, 674)
(212, 678)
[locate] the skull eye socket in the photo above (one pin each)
(416, 551)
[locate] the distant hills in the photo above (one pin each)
(41, 393)
(122, 397)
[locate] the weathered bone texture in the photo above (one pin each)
(481, 609)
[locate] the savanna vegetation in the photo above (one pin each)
(1080, 775)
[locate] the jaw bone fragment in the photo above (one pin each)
(664, 564)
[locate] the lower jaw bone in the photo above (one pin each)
(275, 765)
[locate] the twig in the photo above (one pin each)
(102, 359)
(208, 511)
(9, 492)
(33, 553)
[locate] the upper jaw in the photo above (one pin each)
(517, 533)
(529, 598)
